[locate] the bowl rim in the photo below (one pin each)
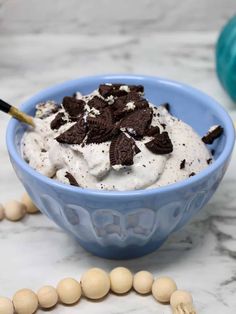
(211, 102)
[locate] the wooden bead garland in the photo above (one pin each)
(30, 207)
(47, 297)
(6, 306)
(143, 281)
(95, 283)
(25, 301)
(15, 210)
(1, 212)
(163, 288)
(69, 291)
(121, 280)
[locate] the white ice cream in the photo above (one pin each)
(90, 164)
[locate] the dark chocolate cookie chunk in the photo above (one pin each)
(166, 106)
(212, 135)
(152, 131)
(101, 127)
(73, 106)
(71, 179)
(75, 134)
(182, 164)
(133, 96)
(122, 150)
(192, 174)
(105, 90)
(58, 121)
(209, 161)
(161, 144)
(141, 103)
(100, 132)
(120, 107)
(116, 90)
(97, 103)
(111, 90)
(136, 88)
(106, 114)
(137, 121)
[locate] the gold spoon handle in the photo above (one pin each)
(16, 113)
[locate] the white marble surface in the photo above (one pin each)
(201, 257)
(112, 16)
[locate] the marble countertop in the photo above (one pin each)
(201, 257)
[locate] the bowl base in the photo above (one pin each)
(121, 253)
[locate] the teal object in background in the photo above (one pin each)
(226, 57)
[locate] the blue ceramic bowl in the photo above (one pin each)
(128, 224)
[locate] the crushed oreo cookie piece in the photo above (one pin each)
(123, 100)
(133, 96)
(212, 135)
(97, 103)
(100, 132)
(75, 134)
(136, 149)
(106, 90)
(161, 144)
(101, 127)
(166, 106)
(141, 103)
(152, 131)
(213, 152)
(58, 121)
(182, 164)
(192, 174)
(137, 121)
(44, 110)
(71, 179)
(107, 115)
(136, 88)
(122, 150)
(73, 106)
(125, 104)
(119, 90)
(209, 161)
(163, 125)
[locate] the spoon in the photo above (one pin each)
(16, 113)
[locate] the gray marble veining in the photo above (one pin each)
(112, 16)
(201, 257)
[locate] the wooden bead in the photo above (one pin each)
(95, 283)
(25, 301)
(30, 207)
(142, 282)
(180, 296)
(121, 280)
(184, 309)
(14, 210)
(47, 297)
(6, 306)
(163, 288)
(1, 212)
(69, 291)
